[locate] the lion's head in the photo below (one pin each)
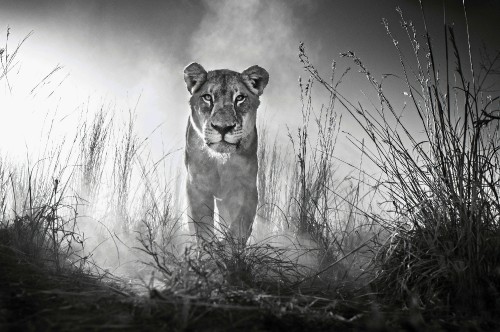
(224, 105)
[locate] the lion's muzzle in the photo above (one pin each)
(223, 138)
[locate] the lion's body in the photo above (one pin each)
(221, 148)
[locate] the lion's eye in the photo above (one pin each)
(207, 97)
(240, 98)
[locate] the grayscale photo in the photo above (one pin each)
(250, 165)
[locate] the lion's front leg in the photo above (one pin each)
(237, 208)
(201, 211)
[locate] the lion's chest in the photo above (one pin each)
(217, 175)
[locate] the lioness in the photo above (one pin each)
(221, 148)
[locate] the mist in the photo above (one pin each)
(236, 35)
(107, 61)
(104, 59)
(129, 61)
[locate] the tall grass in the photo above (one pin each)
(443, 189)
(39, 211)
(69, 202)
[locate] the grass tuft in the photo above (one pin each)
(443, 247)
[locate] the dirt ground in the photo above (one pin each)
(34, 299)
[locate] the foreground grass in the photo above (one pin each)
(439, 176)
(33, 297)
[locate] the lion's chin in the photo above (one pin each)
(223, 147)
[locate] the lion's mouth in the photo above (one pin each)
(223, 146)
(223, 143)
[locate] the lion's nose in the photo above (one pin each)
(223, 129)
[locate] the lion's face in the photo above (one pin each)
(224, 105)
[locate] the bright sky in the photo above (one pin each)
(114, 51)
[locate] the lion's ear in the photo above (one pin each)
(194, 76)
(256, 79)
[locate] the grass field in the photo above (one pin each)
(409, 240)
